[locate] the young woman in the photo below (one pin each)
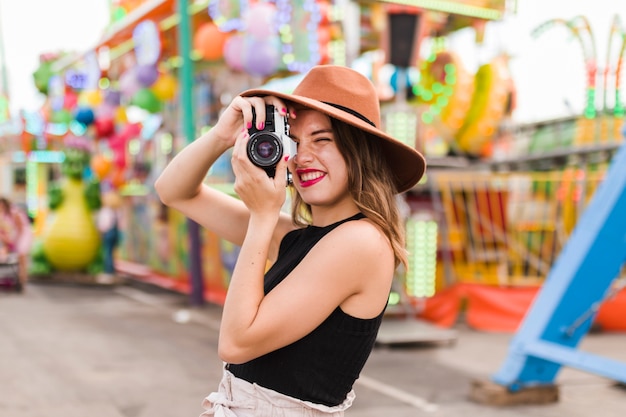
(295, 337)
(17, 236)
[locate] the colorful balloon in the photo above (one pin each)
(165, 87)
(209, 42)
(233, 52)
(84, 115)
(146, 75)
(260, 20)
(262, 56)
(104, 127)
(91, 98)
(70, 100)
(128, 83)
(105, 111)
(101, 166)
(147, 100)
(61, 116)
(113, 97)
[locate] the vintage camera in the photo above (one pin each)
(266, 147)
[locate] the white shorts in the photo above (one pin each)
(237, 397)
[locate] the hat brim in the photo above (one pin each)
(405, 162)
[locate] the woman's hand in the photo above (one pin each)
(260, 193)
(237, 117)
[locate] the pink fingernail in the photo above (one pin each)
(249, 125)
(286, 158)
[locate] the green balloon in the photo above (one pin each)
(61, 116)
(147, 100)
(42, 76)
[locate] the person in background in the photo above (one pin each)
(295, 338)
(17, 236)
(107, 222)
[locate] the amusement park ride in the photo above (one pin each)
(563, 311)
(584, 275)
(586, 271)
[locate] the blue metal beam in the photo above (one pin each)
(576, 286)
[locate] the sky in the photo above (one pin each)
(548, 70)
(32, 27)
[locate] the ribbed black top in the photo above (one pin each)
(322, 366)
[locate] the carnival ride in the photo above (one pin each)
(588, 269)
(582, 278)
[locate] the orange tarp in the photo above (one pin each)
(502, 309)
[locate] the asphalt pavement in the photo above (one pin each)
(134, 350)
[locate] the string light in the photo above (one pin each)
(224, 23)
(434, 92)
(421, 242)
(287, 13)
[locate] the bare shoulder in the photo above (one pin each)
(364, 234)
(366, 266)
(357, 246)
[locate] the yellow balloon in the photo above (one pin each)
(91, 98)
(164, 88)
(120, 115)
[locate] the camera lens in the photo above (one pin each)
(264, 149)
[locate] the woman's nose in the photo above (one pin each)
(303, 155)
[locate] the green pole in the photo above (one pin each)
(187, 112)
(3, 67)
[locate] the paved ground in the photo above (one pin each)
(138, 351)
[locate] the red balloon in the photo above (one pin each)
(117, 142)
(131, 131)
(104, 127)
(70, 100)
(119, 159)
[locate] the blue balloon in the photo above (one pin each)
(84, 115)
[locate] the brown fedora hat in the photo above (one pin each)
(347, 95)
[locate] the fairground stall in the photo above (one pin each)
(503, 197)
(484, 226)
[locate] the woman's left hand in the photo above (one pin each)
(260, 193)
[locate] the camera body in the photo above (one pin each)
(267, 146)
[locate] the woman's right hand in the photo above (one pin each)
(237, 118)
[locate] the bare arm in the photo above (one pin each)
(352, 267)
(181, 186)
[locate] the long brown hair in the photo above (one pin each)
(369, 183)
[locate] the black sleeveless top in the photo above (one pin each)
(322, 366)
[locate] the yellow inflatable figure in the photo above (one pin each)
(71, 242)
(490, 102)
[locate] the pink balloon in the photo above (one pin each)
(262, 57)
(233, 52)
(129, 84)
(130, 131)
(119, 158)
(117, 143)
(260, 21)
(70, 100)
(105, 111)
